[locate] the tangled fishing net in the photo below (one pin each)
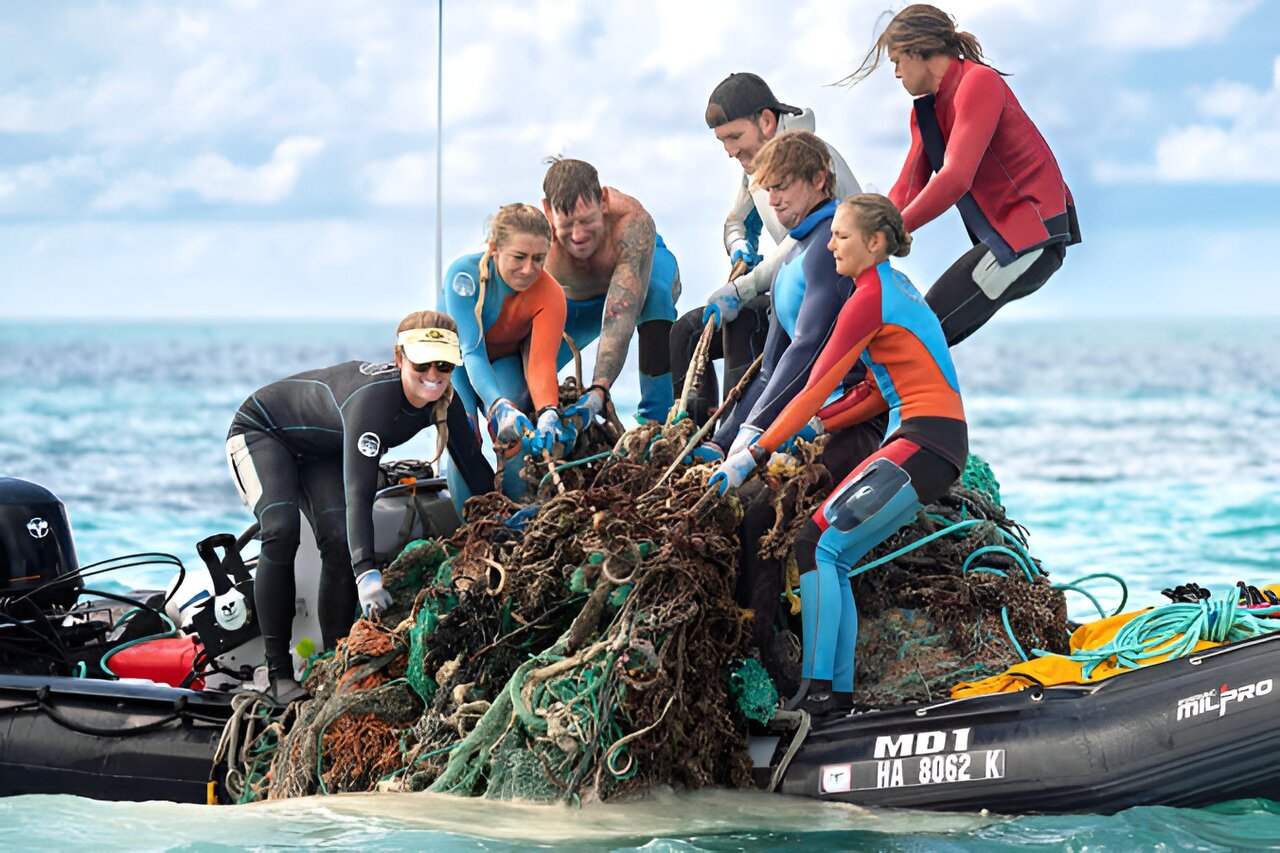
(593, 648)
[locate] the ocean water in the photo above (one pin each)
(1143, 449)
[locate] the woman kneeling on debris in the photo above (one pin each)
(313, 442)
(887, 325)
(511, 315)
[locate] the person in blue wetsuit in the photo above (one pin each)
(510, 314)
(619, 279)
(795, 167)
(886, 325)
(313, 442)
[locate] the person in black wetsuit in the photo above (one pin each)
(313, 442)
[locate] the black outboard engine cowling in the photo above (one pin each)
(35, 545)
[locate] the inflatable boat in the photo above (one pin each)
(1191, 731)
(1188, 732)
(126, 696)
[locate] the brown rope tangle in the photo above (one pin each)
(587, 655)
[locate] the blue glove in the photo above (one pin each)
(808, 432)
(521, 517)
(566, 436)
(707, 453)
(374, 600)
(723, 305)
(589, 406)
(545, 432)
(507, 424)
(732, 471)
(746, 255)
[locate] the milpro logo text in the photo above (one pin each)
(1221, 700)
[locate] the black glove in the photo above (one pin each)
(1187, 593)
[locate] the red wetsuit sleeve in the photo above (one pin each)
(548, 311)
(979, 100)
(862, 403)
(915, 171)
(859, 320)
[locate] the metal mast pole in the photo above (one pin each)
(439, 154)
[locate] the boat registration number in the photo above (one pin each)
(942, 769)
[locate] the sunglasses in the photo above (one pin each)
(441, 366)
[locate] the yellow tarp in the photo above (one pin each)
(1057, 669)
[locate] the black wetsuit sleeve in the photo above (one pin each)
(825, 292)
(465, 450)
(775, 344)
(369, 414)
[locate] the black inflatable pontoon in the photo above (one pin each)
(109, 740)
(1189, 732)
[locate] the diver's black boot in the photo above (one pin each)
(283, 687)
(815, 697)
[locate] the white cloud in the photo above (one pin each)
(165, 101)
(28, 187)
(1157, 24)
(313, 268)
(407, 179)
(1234, 139)
(214, 178)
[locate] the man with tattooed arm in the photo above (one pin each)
(618, 278)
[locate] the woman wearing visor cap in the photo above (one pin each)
(313, 442)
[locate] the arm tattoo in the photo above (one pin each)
(627, 291)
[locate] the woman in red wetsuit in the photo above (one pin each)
(973, 147)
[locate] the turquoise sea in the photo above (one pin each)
(1146, 449)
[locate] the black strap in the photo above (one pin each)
(935, 148)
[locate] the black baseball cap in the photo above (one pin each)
(740, 95)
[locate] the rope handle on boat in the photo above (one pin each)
(42, 699)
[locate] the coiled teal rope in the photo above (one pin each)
(1172, 631)
(1075, 586)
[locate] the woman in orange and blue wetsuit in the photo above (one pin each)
(887, 325)
(973, 147)
(510, 314)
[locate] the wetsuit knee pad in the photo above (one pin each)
(655, 347)
(807, 546)
(863, 512)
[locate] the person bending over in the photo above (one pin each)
(313, 442)
(510, 314)
(618, 277)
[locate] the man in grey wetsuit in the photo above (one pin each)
(313, 442)
(744, 114)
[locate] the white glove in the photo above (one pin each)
(746, 434)
(374, 600)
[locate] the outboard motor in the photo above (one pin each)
(36, 546)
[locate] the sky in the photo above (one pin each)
(276, 160)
